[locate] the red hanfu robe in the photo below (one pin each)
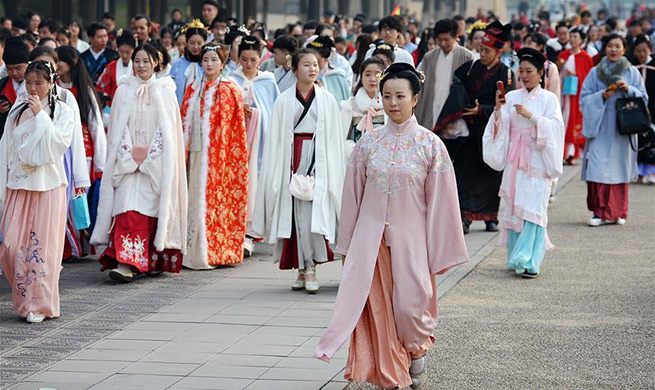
(583, 64)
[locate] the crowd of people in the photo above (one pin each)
(161, 147)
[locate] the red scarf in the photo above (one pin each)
(9, 91)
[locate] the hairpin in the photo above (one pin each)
(243, 29)
(382, 74)
(384, 46)
(289, 59)
(119, 32)
(316, 44)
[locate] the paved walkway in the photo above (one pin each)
(231, 328)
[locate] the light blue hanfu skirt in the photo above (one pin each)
(526, 250)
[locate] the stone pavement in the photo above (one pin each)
(230, 328)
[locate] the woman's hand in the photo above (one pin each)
(523, 111)
(609, 92)
(500, 100)
(247, 111)
(622, 85)
(475, 110)
(34, 103)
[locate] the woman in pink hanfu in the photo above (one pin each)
(398, 217)
(33, 183)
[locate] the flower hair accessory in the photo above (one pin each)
(289, 57)
(382, 75)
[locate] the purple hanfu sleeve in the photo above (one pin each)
(445, 237)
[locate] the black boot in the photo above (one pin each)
(492, 226)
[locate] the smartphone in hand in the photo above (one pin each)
(501, 88)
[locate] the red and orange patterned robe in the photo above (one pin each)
(217, 171)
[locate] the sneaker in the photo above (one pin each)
(122, 274)
(595, 221)
(529, 275)
(552, 199)
(420, 379)
(34, 318)
(620, 221)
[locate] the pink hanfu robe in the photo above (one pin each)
(399, 187)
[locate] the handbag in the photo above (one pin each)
(632, 116)
(301, 187)
(81, 212)
(570, 85)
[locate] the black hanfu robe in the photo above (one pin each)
(477, 183)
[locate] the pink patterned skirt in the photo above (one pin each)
(33, 227)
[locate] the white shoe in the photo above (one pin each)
(248, 247)
(595, 221)
(122, 274)
(299, 284)
(311, 287)
(34, 318)
(552, 199)
(620, 221)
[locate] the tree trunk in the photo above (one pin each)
(132, 8)
(314, 10)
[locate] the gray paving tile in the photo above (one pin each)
(309, 363)
(130, 381)
(90, 366)
(136, 345)
(273, 340)
(69, 377)
(299, 322)
(211, 370)
(243, 360)
(194, 346)
(284, 385)
(159, 326)
(165, 356)
(162, 335)
(118, 355)
(301, 374)
(221, 318)
(211, 383)
(148, 368)
(32, 385)
(178, 317)
(264, 350)
(269, 330)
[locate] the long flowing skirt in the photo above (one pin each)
(304, 248)
(376, 354)
(131, 242)
(608, 201)
(31, 251)
(526, 249)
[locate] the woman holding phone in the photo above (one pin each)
(524, 140)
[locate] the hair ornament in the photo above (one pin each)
(383, 46)
(382, 74)
(160, 57)
(119, 33)
(289, 58)
(421, 76)
(244, 29)
(195, 23)
(316, 44)
(479, 25)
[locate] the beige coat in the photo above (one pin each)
(424, 111)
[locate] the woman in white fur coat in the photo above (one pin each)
(143, 196)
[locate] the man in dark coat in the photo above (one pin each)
(472, 100)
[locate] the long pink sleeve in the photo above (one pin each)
(351, 198)
(445, 237)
